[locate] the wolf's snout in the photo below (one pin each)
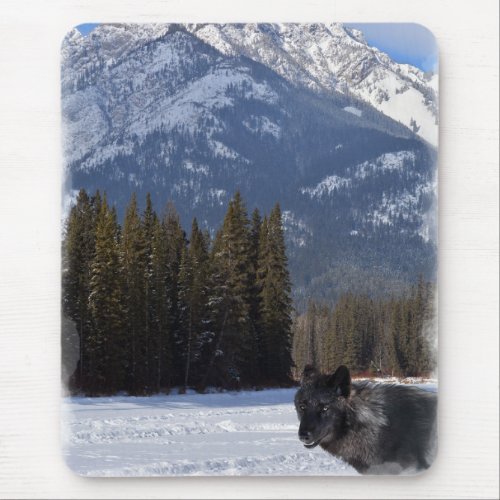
(305, 436)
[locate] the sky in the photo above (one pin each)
(85, 29)
(408, 43)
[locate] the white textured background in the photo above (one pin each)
(30, 167)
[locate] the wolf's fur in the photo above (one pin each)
(377, 428)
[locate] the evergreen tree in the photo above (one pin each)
(193, 304)
(384, 357)
(214, 374)
(199, 301)
(186, 336)
(276, 304)
(78, 253)
(149, 220)
(311, 334)
(255, 299)
(160, 345)
(428, 333)
(175, 243)
(323, 331)
(230, 301)
(134, 252)
(351, 338)
(105, 356)
(298, 346)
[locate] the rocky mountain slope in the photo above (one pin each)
(332, 57)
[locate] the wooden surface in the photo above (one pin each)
(30, 167)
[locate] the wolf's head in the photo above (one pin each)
(321, 404)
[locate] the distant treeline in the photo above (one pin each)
(154, 308)
(380, 337)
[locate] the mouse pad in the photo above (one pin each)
(249, 249)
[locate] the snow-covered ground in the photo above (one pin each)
(252, 433)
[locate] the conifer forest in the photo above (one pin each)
(155, 306)
(152, 305)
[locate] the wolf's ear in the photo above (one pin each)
(308, 374)
(341, 381)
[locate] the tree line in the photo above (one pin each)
(155, 308)
(381, 337)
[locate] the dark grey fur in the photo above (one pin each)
(377, 428)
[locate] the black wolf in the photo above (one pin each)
(377, 428)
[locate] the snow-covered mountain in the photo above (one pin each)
(322, 57)
(193, 112)
(332, 57)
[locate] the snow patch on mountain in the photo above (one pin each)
(263, 125)
(85, 123)
(197, 169)
(326, 186)
(199, 99)
(296, 230)
(134, 180)
(218, 195)
(222, 151)
(390, 207)
(353, 110)
(405, 205)
(386, 162)
(428, 227)
(394, 96)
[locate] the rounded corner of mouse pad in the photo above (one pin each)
(249, 249)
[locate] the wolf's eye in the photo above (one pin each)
(324, 408)
(302, 407)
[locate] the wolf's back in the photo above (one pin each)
(409, 437)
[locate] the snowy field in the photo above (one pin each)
(251, 433)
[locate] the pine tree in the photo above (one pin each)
(414, 312)
(185, 338)
(337, 342)
(311, 334)
(193, 305)
(422, 313)
(428, 333)
(255, 299)
(77, 253)
(384, 356)
(330, 344)
(105, 357)
(230, 301)
(175, 243)
(351, 340)
(260, 278)
(397, 327)
(323, 330)
(149, 220)
(133, 251)
(199, 301)
(298, 346)
(160, 345)
(276, 304)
